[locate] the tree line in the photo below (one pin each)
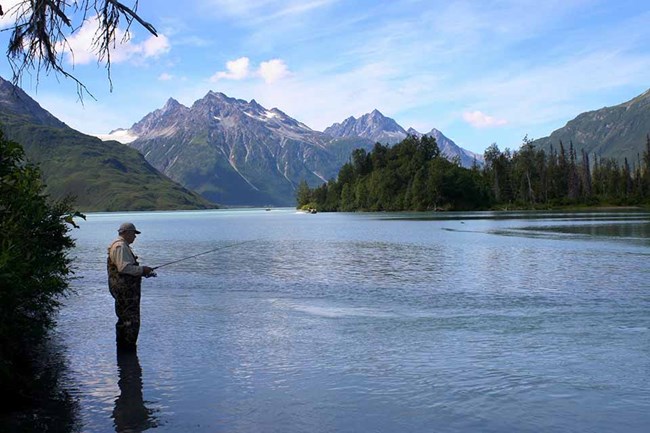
(559, 176)
(413, 175)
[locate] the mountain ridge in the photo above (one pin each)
(232, 151)
(618, 131)
(15, 101)
(102, 175)
(241, 153)
(374, 126)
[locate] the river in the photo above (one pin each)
(391, 322)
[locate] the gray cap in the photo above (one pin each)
(126, 227)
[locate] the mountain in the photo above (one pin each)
(613, 132)
(373, 126)
(236, 152)
(104, 176)
(450, 149)
(14, 102)
(378, 128)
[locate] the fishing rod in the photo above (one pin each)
(153, 274)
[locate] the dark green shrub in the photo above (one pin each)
(34, 265)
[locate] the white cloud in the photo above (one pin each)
(481, 120)
(236, 70)
(152, 47)
(79, 46)
(10, 12)
(273, 70)
(270, 71)
(80, 50)
(165, 76)
(424, 66)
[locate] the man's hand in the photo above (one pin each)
(147, 271)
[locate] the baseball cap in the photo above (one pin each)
(125, 227)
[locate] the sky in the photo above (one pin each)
(480, 71)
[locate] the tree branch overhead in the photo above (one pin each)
(39, 36)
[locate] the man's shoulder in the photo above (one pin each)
(119, 242)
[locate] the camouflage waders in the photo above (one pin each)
(126, 291)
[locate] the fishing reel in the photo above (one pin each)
(151, 274)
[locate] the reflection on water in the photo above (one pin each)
(528, 322)
(130, 413)
(632, 229)
(628, 230)
(51, 407)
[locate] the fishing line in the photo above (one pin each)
(200, 254)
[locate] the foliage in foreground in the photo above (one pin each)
(34, 267)
(40, 31)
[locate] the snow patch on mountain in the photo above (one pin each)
(231, 160)
(121, 135)
(221, 144)
(320, 176)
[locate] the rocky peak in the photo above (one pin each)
(171, 105)
(170, 113)
(217, 98)
(414, 132)
(374, 126)
(254, 105)
(232, 117)
(376, 120)
(451, 150)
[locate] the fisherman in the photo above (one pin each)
(124, 280)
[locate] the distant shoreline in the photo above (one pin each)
(577, 208)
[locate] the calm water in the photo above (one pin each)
(521, 322)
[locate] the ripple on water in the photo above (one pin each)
(353, 323)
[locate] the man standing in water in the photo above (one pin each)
(124, 280)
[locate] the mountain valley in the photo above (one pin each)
(237, 153)
(232, 152)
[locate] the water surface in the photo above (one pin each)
(391, 322)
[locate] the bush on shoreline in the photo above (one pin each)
(34, 268)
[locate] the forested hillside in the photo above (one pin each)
(534, 177)
(101, 176)
(413, 176)
(610, 132)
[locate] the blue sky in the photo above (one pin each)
(479, 71)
